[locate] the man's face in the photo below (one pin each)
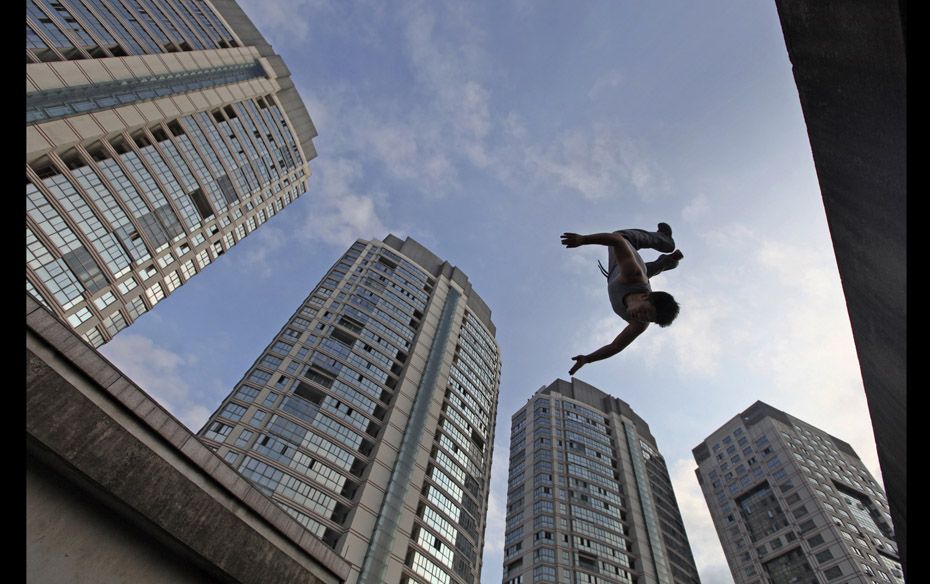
(643, 311)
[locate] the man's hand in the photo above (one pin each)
(572, 239)
(580, 361)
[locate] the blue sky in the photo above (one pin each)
(486, 129)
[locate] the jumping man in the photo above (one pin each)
(628, 287)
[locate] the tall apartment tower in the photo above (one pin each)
(793, 504)
(158, 134)
(589, 496)
(370, 416)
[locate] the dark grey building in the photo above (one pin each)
(159, 133)
(589, 496)
(370, 417)
(794, 505)
(850, 65)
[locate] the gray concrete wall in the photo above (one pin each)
(72, 537)
(162, 497)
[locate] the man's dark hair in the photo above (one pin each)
(666, 307)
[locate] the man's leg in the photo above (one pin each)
(665, 262)
(640, 238)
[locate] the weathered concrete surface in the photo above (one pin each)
(72, 537)
(106, 464)
(850, 68)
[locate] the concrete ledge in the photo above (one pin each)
(119, 447)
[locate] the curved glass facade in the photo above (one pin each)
(144, 168)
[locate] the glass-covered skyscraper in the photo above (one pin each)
(794, 505)
(158, 134)
(370, 416)
(589, 496)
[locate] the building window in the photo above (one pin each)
(824, 556)
(761, 512)
(833, 573)
(789, 568)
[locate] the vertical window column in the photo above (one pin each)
(113, 213)
(159, 170)
(232, 192)
(114, 257)
(145, 225)
(122, 32)
(68, 244)
(198, 167)
(93, 26)
(52, 273)
(71, 27)
(163, 211)
(145, 37)
(172, 11)
(262, 137)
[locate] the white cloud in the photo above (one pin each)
(493, 553)
(605, 84)
(338, 214)
(261, 245)
(786, 325)
(158, 372)
(497, 504)
(696, 210)
(448, 64)
(281, 19)
(410, 152)
(410, 143)
(599, 164)
(705, 544)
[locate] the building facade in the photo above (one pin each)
(370, 416)
(589, 495)
(158, 134)
(793, 504)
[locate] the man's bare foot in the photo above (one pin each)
(677, 255)
(665, 228)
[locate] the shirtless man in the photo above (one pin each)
(628, 287)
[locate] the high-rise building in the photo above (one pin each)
(589, 496)
(793, 504)
(158, 134)
(370, 416)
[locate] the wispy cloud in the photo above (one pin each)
(262, 244)
(600, 163)
(279, 19)
(339, 213)
(705, 545)
(493, 553)
(158, 372)
(769, 307)
(697, 209)
(607, 83)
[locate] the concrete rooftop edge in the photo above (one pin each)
(62, 369)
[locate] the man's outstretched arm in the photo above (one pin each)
(626, 336)
(623, 249)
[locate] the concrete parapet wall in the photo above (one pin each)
(107, 464)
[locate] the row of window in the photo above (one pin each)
(80, 29)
